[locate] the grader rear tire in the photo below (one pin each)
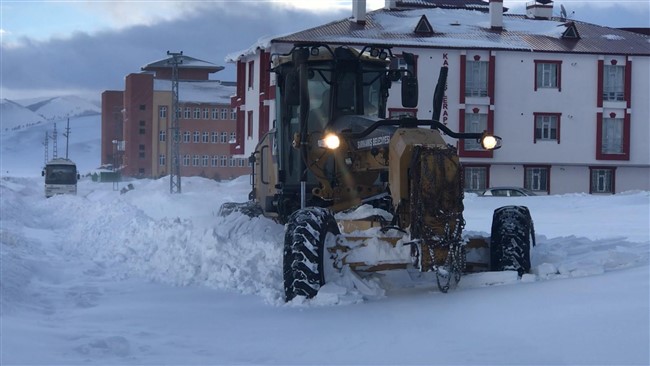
(512, 230)
(304, 244)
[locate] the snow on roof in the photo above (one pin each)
(204, 91)
(262, 43)
(187, 62)
(465, 28)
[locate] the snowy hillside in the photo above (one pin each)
(22, 114)
(60, 108)
(15, 117)
(22, 152)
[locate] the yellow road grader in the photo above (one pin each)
(357, 189)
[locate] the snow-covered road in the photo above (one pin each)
(151, 278)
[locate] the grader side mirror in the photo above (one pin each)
(409, 91)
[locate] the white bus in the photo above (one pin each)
(60, 177)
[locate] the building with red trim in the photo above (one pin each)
(136, 123)
(569, 98)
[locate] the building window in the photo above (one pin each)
(548, 75)
(251, 75)
(397, 113)
(602, 180)
(206, 160)
(215, 113)
(547, 127)
(197, 113)
(195, 160)
(612, 141)
(143, 107)
(186, 160)
(474, 122)
(215, 137)
(197, 137)
(162, 112)
(162, 136)
(613, 83)
(161, 160)
(224, 137)
(206, 137)
(141, 151)
(233, 137)
(537, 178)
(233, 114)
(186, 136)
(187, 113)
(475, 177)
(250, 124)
(142, 129)
(224, 113)
(242, 163)
(613, 136)
(206, 113)
(178, 112)
(215, 160)
(476, 79)
(232, 162)
(224, 160)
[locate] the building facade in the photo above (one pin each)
(569, 99)
(138, 139)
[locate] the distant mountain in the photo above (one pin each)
(14, 116)
(60, 108)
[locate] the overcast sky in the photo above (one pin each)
(51, 48)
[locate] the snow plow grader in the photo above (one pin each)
(357, 189)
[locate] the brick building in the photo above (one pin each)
(136, 123)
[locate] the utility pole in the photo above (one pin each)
(67, 137)
(175, 175)
(55, 138)
(46, 144)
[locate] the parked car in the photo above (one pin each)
(507, 192)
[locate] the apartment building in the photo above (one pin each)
(569, 98)
(137, 132)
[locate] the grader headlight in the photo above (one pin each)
(490, 142)
(330, 141)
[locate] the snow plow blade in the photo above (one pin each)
(250, 209)
(390, 249)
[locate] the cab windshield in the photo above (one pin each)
(350, 97)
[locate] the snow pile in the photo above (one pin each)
(73, 270)
(180, 240)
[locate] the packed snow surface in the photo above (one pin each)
(147, 277)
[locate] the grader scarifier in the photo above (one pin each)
(333, 164)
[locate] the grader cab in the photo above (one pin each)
(335, 165)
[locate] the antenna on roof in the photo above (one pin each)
(563, 13)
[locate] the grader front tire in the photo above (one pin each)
(304, 244)
(510, 242)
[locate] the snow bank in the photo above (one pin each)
(180, 239)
